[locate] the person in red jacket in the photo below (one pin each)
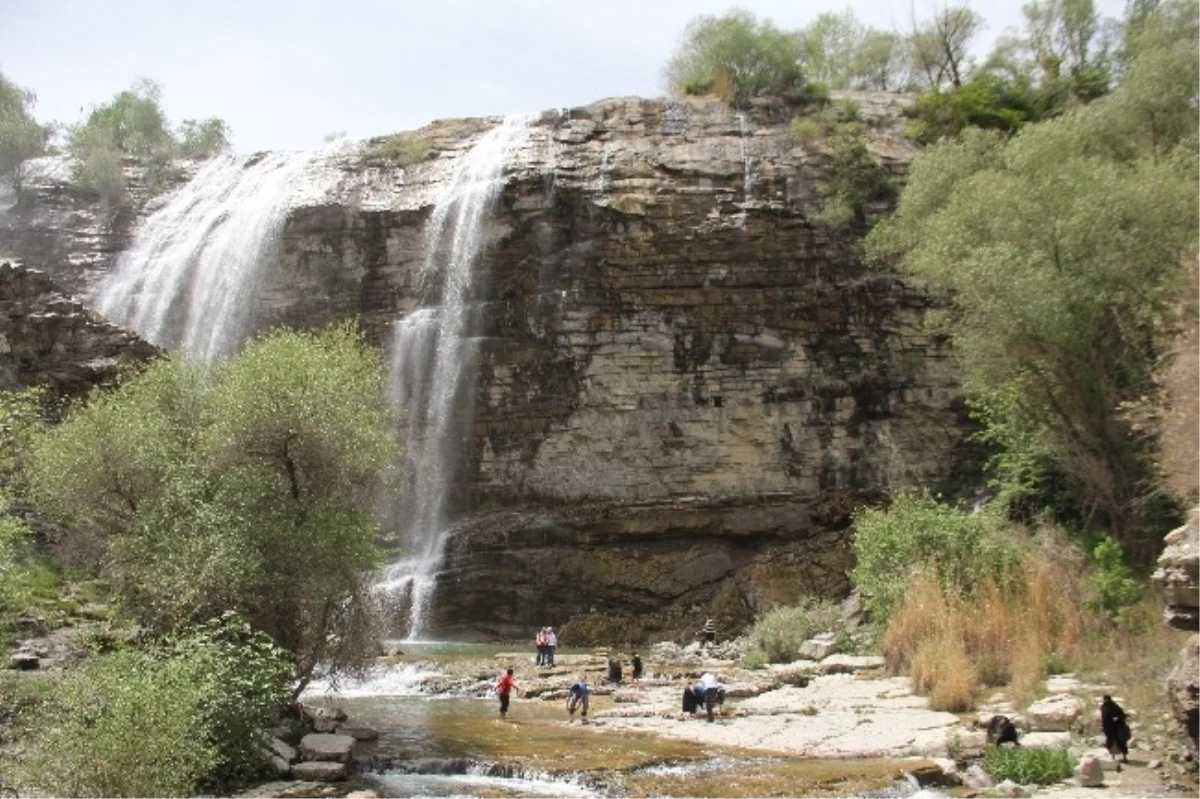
(504, 688)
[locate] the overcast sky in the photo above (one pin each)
(284, 73)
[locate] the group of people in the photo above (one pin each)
(546, 641)
(708, 693)
(1001, 730)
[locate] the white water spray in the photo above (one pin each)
(432, 362)
(747, 173)
(188, 278)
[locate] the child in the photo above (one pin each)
(504, 688)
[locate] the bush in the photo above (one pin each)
(807, 130)
(962, 548)
(780, 632)
(166, 721)
(1028, 765)
(205, 138)
(21, 137)
(1112, 581)
(735, 57)
(401, 149)
(856, 180)
(941, 669)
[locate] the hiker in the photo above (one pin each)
(714, 693)
(709, 633)
(540, 641)
(1116, 730)
(1001, 730)
(578, 696)
(614, 670)
(504, 688)
(635, 667)
(551, 645)
(693, 698)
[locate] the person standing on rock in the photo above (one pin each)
(551, 645)
(540, 641)
(504, 689)
(635, 667)
(1116, 729)
(709, 632)
(577, 696)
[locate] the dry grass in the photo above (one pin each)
(941, 669)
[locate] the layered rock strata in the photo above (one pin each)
(1179, 574)
(686, 380)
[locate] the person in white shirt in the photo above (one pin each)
(551, 645)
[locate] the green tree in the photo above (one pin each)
(203, 138)
(736, 57)
(838, 50)
(939, 47)
(249, 485)
(856, 181)
(1060, 247)
(21, 137)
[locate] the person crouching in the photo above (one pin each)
(577, 697)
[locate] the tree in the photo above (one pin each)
(249, 485)
(1061, 247)
(736, 57)
(829, 48)
(881, 62)
(21, 137)
(203, 138)
(939, 48)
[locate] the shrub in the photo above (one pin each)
(736, 57)
(401, 149)
(21, 137)
(941, 669)
(755, 659)
(1028, 765)
(1112, 581)
(780, 632)
(963, 549)
(165, 721)
(203, 138)
(807, 130)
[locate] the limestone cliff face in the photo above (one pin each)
(686, 382)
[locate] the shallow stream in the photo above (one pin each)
(438, 745)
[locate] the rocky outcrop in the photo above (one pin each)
(48, 339)
(1177, 573)
(685, 380)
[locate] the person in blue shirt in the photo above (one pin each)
(577, 696)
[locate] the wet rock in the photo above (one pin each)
(326, 747)
(358, 733)
(319, 771)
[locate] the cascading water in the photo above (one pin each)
(747, 173)
(187, 279)
(432, 362)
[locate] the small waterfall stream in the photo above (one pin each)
(188, 278)
(432, 360)
(747, 173)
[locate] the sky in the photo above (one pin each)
(286, 73)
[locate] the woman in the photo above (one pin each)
(1116, 730)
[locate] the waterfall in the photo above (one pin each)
(432, 360)
(747, 175)
(188, 279)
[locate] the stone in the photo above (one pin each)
(326, 747)
(283, 750)
(967, 744)
(319, 771)
(1053, 713)
(1089, 773)
(358, 733)
(819, 646)
(1178, 573)
(24, 661)
(627, 696)
(363, 794)
(1046, 740)
(1183, 693)
(848, 664)
(1010, 789)
(282, 767)
(976, 778)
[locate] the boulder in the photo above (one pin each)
(968, 744)
(25, 661)
(1089, 773)
(1008, 788)
(819, 647)
(848, 664)
(358, 733)
(326, 747)
(283, 768)
(1178, 573)
(283, 750)
(1046, 740)
(1183, 692)
(1053, 713)
(319, 771)
(628, 696)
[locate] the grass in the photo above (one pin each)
(778, 635)
(1028, 765)
(401, 149)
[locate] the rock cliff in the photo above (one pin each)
(685, 381)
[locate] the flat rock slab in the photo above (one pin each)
(1053, 714)
(1046, 740)
(326, 747)
(319, 771)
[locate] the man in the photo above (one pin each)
(1116, 730)
(577, 696)
(709, 631)
(635, 664)
(551, 645)
(540, 641)
(504, 689)
(714, 693)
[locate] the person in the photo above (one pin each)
(713, 693)
(577, 696)
(614, 670)
(551, 645)
(504, 688)
(709, 631)
(635, 667)
(1001, 730)
(693, 698)
(540, 641)
(1116, 729)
